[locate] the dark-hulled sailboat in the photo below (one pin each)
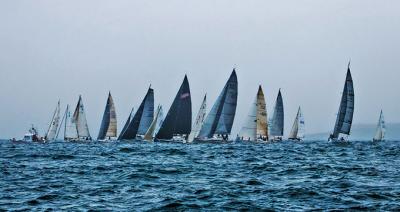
(177, 125)
(142, 119)
(218, 124)
(277, 121)
(108, 128)
(344, 118)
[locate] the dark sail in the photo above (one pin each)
(277, 124)
(126, 124)
(221, 117)
(179, 118)
(140, 116)
(108, 126)
(345, 116)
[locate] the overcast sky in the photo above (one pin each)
(52, 50)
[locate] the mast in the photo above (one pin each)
(108, 127)
(62, 120)
(179, 117)
(142, 119)
(277, 122)
(199, 120)
(222, 114)
(344, 118)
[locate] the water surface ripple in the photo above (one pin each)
(160, 176)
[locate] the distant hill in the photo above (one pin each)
(364, 132)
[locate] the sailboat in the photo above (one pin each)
(201, 115)
(142, 119)
(298, 129)
(53, 127)
(218, 123)
(255, 127)
(78, 120)
(178, 122)
(108, 127)
(277, 121)
(155, 125)
(126, 124)
(344, 118)
(380, 129)
(70, 130)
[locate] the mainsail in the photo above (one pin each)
(152, 129)
(380, 129)
(79, 118)
(142, 119)
(108, 128)
(219, 121)
(255, 126)
(126, 124)
(199, 120)
(298, 129)
(55, 121)
(346, 110)
(179, 117)
(277, 121)
(70, 132)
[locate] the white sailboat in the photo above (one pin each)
(380, 129)
(155, 124)
(53, 127)
(344, 118)
(255, 127)
(70, 131)
(201, 115)
(298, 129)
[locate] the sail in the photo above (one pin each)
(345, 116)
(160, 120)
(199, 120)
(70, 131)
(142, 119)
(151, 131)
(380, 129)
(179, 117)
(220, 118)
(108, 128)
(126, 124)
(249, 129)
(262, 119)
(79, 118)
(297, 131)
(277, 121)
(55, 121)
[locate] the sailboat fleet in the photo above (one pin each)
(150, 125)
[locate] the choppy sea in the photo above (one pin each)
(128, 176)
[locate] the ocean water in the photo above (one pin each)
(130, 176)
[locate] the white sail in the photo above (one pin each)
(249, 129)
(80, 120)
(70, 132)
(55, 121)
(298, 129)
(380, 129)
(199, 120)
(153, 126)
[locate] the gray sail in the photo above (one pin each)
(108, 128)
(79, 118)
(346, 110)
(126, 124)
(221, 117)
(277, 121)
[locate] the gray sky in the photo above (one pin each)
(52, 50)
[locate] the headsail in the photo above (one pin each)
(277, 121)
(255, 126)
(79, 118)
(345, 116)
(70, 132)
(108, 128)
(221, 117)
(126, 124)
(142, 119)
(179, 117)
(380, 129)
(55, 122)
(298, 128)
(152, 129)
(199, 120)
